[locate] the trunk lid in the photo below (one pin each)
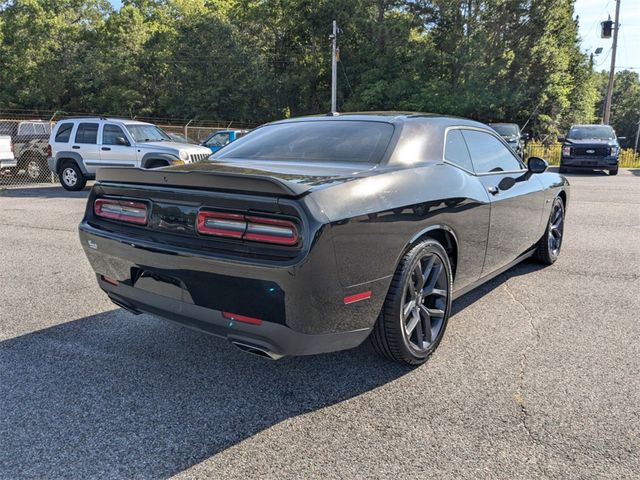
(269, 178)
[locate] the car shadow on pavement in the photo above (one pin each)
(43, 191)
(118, 395)
(635, 171)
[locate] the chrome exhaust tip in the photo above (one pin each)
(256, 350)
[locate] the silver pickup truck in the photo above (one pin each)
(7, 160)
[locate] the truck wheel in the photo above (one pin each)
(71, 177)
(613, 171)
(35, 166)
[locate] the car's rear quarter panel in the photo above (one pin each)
(375, 219)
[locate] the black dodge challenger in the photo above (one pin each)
(313, 234)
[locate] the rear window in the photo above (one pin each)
(64, 132)
(313, 141)
(28, 128)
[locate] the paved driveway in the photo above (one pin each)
(537, 375)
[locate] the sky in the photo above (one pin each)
(591, 13)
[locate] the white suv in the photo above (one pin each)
(79, 146)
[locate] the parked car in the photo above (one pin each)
(216, 140)
(29, 143)
(512, 135)
(8, 162)
(309, 235)
(180, 138)
(79, 146)
(593, 147)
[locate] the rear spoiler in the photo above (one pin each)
(233, 182)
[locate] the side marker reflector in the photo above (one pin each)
(357, 297)
(241, 318)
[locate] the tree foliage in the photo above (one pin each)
(257, 60)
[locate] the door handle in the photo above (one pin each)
(76, 147)
(493, 190)
(106, 148)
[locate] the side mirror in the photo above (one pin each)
(536, 165)
(622, 141)
(524, 136)
(561, 139)
(122, 141)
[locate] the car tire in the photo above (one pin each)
(417, 307)
(613, 171)
(71, 177)
(35, 167)
(548, 247)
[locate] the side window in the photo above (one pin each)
(110, 133)
(64, 132)
(455, 150)
(87, 133)
(489, 154)
(218, 140)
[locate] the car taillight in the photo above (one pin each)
(248, 227)
(122, 210)
(222, 224)
(566, 151)
(270, 230)
(49, 151)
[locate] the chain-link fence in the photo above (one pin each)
(24, 140)
(23, 151)
(629, 158)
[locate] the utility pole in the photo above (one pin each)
(334, 67)
(637, 136)
(612, 71)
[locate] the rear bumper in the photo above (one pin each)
(301, 305)
(278, 340)
(590, 162)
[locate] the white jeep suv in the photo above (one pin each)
(79, 146)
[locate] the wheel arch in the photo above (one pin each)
(563, 196)
(444, 235)
(152, 157)
(64, 157)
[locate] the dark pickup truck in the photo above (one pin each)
(593, 147)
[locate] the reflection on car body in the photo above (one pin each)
(311, 235)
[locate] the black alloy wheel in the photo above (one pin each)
(417, 307)
(549, 245)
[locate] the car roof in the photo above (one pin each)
(503, 123)
(388, 117)
(126, 121)
(590, 125)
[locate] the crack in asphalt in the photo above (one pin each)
(37, 228)
(519, 395)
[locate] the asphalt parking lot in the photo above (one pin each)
(537, 376)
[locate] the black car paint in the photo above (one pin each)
(356, 221)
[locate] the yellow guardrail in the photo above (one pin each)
(551, 153)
